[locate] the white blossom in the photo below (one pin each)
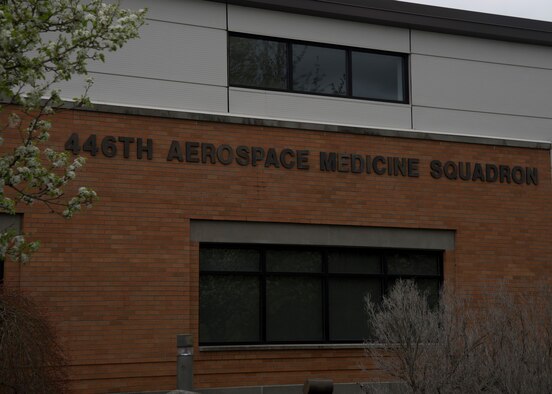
(31, 62)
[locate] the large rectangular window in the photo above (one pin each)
(313, 68)
(263, 294)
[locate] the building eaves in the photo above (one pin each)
(415, 16)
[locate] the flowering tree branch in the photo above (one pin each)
(43, 43)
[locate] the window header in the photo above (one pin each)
(320, 235)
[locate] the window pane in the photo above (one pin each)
(428, 287)
(293, 261)
(353, 262)
(348, 319)
(257, 63)
(229, 309)
(412, 264)
(222, 259)
(319, 70)
(377, 76)
(293, 309)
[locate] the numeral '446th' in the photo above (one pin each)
(108, 146)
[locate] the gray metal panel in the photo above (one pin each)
(171, 52)
(326, 235)
(150, 93)
(477, 86)
(482, 124)
(318, 108)
(494, 51)
(309, 28)
(193, 12)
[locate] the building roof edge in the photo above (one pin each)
(416, 16)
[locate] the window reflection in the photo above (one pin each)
(319, 70)
(294, 309)
(257, 63)
(377, 76)
(229, 309)
(346, 306)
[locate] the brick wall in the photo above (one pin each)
(121, 280)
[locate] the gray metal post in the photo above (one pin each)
(184, 362)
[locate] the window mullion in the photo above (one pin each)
(385, 287)
(349, 73)
(406, 79)
(325, 298)
(290, 66)
(262, 303)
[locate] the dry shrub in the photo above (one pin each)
(31, 359)
(501, 344)
(518, 345)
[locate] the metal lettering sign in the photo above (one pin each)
(288, 158)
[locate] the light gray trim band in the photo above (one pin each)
(315, 346)
(298, 125)
(320, 235)
(339, 388)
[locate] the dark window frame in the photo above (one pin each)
(348, 68)
(324, 275)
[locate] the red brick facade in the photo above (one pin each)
(121, 280)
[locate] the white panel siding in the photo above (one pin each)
(171, 52)
(192, 12)
(482, 124)
(460, 85)
(150, 93)
(310, 28)
(494, 51)
(482, 87)
(318, 108)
